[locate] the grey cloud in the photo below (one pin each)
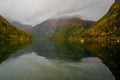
(35, 11)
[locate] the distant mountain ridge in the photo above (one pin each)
(52, 26)
(27, 28)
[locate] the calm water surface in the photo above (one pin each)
(59, 60)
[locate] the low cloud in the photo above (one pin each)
(35, 11)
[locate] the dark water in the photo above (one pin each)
(59, 60)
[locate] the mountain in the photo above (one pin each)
(71, 31)
(10, 32)
(52, 26)
(27, 28)
(108, 26)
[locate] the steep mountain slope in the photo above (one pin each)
(52, 26)
(9, 32)
(71, 31)
(27, 28)
(108, 26)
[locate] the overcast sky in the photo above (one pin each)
(35, 11)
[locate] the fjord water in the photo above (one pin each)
(60, 60)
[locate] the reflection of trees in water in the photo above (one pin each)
(9, 47)
(60, 50)
(108, 52)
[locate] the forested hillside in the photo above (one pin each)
(61, 28)
(108, 26)
(9, 32)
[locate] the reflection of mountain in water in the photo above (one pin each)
(60, 50)
(56, 50)
(109, 53)
(8, 47)
(72, 52)
(33, 67)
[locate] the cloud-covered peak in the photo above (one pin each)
(36, 11)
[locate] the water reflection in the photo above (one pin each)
(9, 47)
(62, 60)
(60, 50)
(33, 67)
(109, 53)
